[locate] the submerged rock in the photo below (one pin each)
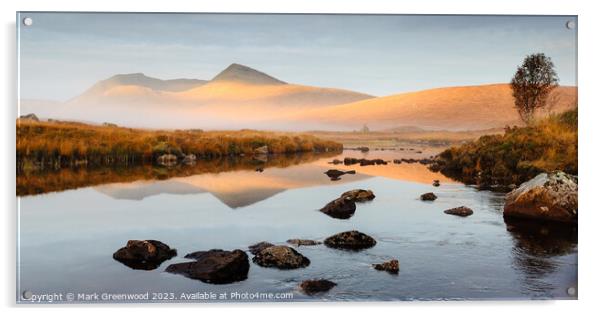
(359, 195)
(459, 211)
(430, 196)
(341, 208)
(548, 196)
(144, 254)
(391, 266)
(214, 266)
(303, 242)
(281, 257)
(256, 248)
(311, 287)
(352, 240)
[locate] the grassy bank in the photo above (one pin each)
(60, 144)
(516, 156)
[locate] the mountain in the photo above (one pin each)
(244, 74)
(453, 108)
(237, 97)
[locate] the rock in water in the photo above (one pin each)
(336, 174)
(144, 254)
(311, 287)
(281, 257)
(303, 242)
(263, 150)
(436, 183)
(341, 208)
(352, 240)
(359, 195)
(548, 196)
(389, 266)
(214, 266)
(459, 211)
(256, 248)
(428, 196)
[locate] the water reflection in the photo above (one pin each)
(44, 181)
(537, 246)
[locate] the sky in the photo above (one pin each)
(63, 54)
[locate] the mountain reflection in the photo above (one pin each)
(45, 181)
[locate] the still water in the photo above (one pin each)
(67, 237)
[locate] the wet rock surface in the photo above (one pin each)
(359, 195)
(340, 208)
(459, 211)
(351, 240)
(144, 254)
(311, 287)
(549, 196)
(303, 242)
(281, 257)
(214, 266)
(256, 248)
(391, 266)
(430, 196)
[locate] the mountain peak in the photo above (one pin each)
(241, 73)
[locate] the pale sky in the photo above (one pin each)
(62, 54)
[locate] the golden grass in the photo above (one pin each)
(69, 143)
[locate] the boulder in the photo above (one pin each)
(214, 266)
(341, 208)
(351, 240)
(336, 162)
(144, 254)
(430, 196)
(281, 257)
(311, 287)
(303, 242)
(459, 211)
(359, 195)
(391, 266)
(548, 196)
(436, 183)
(263, 150)
(256, 248)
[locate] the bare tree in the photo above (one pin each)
(531, 85)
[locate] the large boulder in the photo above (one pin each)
(281, 257)
(459, 211)
(214, 266)
(311, 287)
(351, 240)
(341, 208)
(548, 196)
(144, 254)
(359, 195)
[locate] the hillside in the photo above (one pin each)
(454, 108)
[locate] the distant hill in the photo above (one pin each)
(242, 97)
(453, 108)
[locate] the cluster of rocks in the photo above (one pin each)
(171, 159)
(348, 161)
(423, 161)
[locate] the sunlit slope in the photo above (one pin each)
(453, 108)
